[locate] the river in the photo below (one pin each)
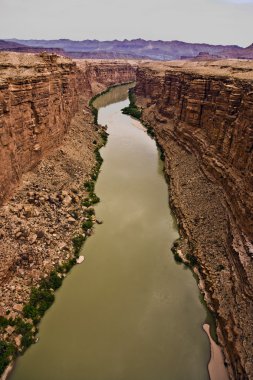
(129, 311)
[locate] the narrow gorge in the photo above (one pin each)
(201, 115)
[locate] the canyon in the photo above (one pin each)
(201, 114)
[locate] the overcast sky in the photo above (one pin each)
(212, 21)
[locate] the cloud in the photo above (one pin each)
(239, 1)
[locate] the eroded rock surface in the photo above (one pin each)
(202, 116)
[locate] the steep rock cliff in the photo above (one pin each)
(38, 98)
(101, 74)
(202, 115)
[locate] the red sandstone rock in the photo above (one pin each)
(202, 116)
(38, 98)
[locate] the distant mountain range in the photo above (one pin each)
(136, 49)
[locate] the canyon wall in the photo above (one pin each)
(45, 125)
(202, 116)
(101, 74)
(38, 98)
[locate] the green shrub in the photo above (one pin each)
(40, 300)
(77, 243)
(104, 136)
(94, 175)
(53, 281)
(30, 311)
(86, 202)
(90, 211)
(66, 267)
(150, 132)
(162, 155)
(27, 340)
(177, 258)
(94, 198)
(7, 350)
(22, 327)
(94, 113)
(132, 109)
(25, 329)
(45, 303)
(87, 225)
(193, 261)
(89, 186)
(4, 322)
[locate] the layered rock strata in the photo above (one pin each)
(103, 73)
(202, 116)
(38, 98)
(47, 143)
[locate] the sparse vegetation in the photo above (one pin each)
(150, 132)
(90, 211)
(77, 243)
(193, 261)
(53, 281)
(220, 267)
(174, 248)
(87, 225)
(132, 109)
(40, 300)
(26, 330)
(89, 186)
(7, 351)
(177, 258)
(65, 268)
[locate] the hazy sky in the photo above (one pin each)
(212, 21)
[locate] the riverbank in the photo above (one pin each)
(186, 178)
(212, 240)
(49, 214)
(40, 221)
(46, 221)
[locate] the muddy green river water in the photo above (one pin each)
(128, 312)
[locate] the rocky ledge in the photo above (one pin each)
(202, 115)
